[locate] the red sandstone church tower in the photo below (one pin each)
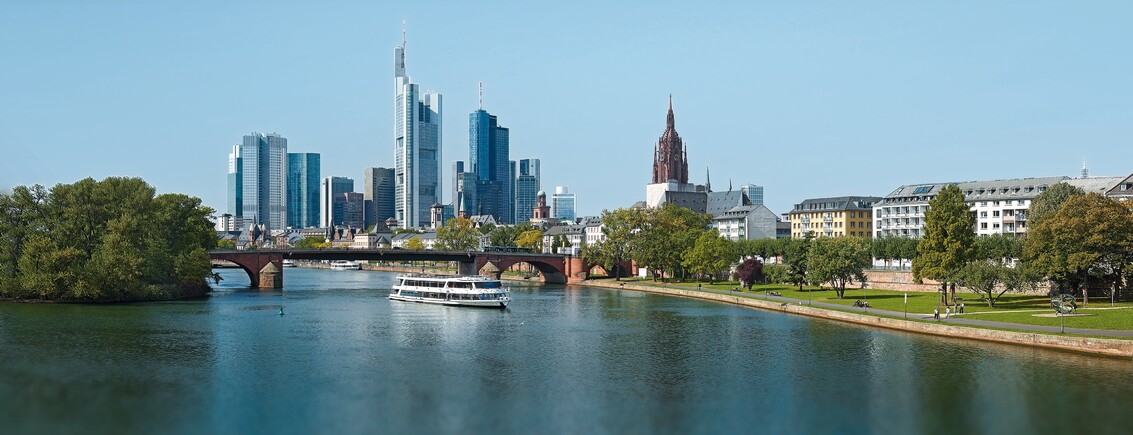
(670, 161)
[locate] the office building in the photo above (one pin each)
(562, 204)
(333, 188)
(488, 145)
(526, 196)
(416, 146)
(754, 193)
(377, 192)
(262, 187)
(235, 203)
(349, 209)
(531, 167)
(303, 177)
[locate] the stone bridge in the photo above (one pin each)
(265, 267)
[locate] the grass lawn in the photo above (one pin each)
(1011, 308)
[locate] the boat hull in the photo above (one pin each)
(488, 303)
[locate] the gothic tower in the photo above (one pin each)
(670, 161)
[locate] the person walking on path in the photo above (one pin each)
(947, 311)
(936, 314)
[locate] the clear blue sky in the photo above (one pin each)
(809, 99)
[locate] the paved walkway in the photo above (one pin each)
(955, 320)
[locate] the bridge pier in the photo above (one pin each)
(264, 269)
(466, 268)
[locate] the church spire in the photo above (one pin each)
(707, 179)
(670, 159)
(669, 122)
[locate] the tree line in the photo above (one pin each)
(109, 240)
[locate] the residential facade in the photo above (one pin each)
(833, 217)
(746, 222)
(1122, 190)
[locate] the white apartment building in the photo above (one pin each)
(1000, 206)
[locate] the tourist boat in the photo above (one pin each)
(472, 291)
(288, 263)
(344, 265)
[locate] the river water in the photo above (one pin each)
(345, 359)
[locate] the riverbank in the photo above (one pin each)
(1113, 347)
(159, 293)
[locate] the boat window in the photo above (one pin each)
(490, 284)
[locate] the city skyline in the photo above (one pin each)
(802, 90)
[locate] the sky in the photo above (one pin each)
(808, 99)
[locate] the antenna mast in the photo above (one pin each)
(481, 95)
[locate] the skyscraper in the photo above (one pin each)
(488, 158)
(303, 175)
(377, 191)
(235, 206)
(562, 204)
(416, 147)
(263, 189)
(754, 193)
(330, 189)
(526, 189)
(349, 209)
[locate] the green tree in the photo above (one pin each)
(1089, 236)
(227, 244)
(506, 235)
(949, 240)
(531, 239)
(415, 244)
(838, 261)
(710, 255)
(1050, 201)
(749, 272)
(620, 228)
(312, 242)
(458, 234)
(667, 233)
(797, 257)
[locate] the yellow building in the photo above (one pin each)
(833, 217)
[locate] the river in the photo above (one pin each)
(345, 359)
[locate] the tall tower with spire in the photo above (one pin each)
(416, 146)
(670, 161)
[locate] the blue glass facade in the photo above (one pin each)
(303, 175)
(488, 148)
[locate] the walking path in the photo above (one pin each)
(954, 320)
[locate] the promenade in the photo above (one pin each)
(1084, 340)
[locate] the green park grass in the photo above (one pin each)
(1010, 308)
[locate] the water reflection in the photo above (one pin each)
(344, 358)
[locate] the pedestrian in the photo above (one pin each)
(936, 313)
(961, 308)
(947, 311)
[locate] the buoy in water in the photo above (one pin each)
(281, 311)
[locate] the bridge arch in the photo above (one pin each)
(264, 269)
(553, 270)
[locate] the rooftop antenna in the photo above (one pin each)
(481, 95)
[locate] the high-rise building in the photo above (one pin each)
(754, 193)
(263, 182)
(457, 170)
(526, 197)
(465, 196)
(331, 189)
(303, 176)
(488, 158)
(377, 191)
(349, 209)
(416, 147)
(235, 206)
(531, 167)
(562, 204)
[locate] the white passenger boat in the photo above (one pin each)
(288, 263)
(344, 265)
(473, 291)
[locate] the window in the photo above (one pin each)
(983, 214)
(983, 225)
(995, 213)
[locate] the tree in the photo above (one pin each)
(1050, 201)
(948, 242)
(749, 272)
(312, 242)
(796, 256)
(710, 255)
(839, 261)
(531, 239)
(1091, 236)
(620, 228)
(667, 233)
(458, 234)
(415, 244)
(227, 244)
(506, 235)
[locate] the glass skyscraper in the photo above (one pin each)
(488, 158)
(333, 188)
(754, 193)
(303, 175)
(526, 189)
(377, 192)
(263, 185)
(235, 206)
(562, 204)
(416, 148)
